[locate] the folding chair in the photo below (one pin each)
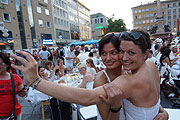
(89, 112)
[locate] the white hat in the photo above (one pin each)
(173, 46)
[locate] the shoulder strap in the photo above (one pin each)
(109, 80)
(13, 92)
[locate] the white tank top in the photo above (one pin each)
(131, 112)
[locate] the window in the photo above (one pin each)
(174, 10)
(163, 7)
(151, 9)
(151, 20)
(143, 10)
(169, 5)
(174, 16)
(46, 11)
(147, 21)
(155, 8)
(55, 20)
(151, 15)
(144, 21)
(40, 23)
(6, 17)
(46, 1)
(4, 2)
(140, 11)
(179, 3)
(136, 22)
(147, 15)
(174, 4)
(135, 11)
(147, 9)
(48, 24)
(139, 16)
(38, 9)
(95, 21)
(169, 12)
(169, 17)
(101, 20)
(140, 22)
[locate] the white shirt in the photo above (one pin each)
(172, 56)
(44, 54)
(68, 53)
(83, 57)
(92, 71)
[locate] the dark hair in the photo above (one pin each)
(82, 45)
(90, 54)
(109, 38)
(156, 47)
(73, 45)
(163, 48)
(44, 48)
(165, 54)
(143, 42)
(6, 60)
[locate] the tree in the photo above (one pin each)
(115, 26)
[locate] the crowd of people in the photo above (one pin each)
(118, 77)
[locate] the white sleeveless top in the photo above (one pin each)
(131, 112)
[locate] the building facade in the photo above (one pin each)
(73, 19)
(84, 22)
(173, 14)
(15, 30)
(144, 16)
(98, 23)
(43, 23)
(61, 22)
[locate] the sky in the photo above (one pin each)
(121, 8)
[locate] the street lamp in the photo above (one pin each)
(5, 33)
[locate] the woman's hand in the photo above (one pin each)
(29, 68)
(162, 115)
(114, 95)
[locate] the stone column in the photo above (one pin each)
(160, 19)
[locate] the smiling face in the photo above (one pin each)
(131, 56)
(110, 56)
(41, 72)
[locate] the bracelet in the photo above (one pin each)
(115, 110)
(34, 81)
(35, 85)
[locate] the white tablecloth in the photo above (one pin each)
(36, 96)
(174, 114)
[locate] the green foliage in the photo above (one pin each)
(115, 26)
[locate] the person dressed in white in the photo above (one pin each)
(49, 72)
(87, 77)
(44, 54)
(81, 50)
(95, 60)
(70, 56)
(91, 68)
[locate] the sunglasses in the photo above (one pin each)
(134, 35)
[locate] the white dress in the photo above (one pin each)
(131, 112)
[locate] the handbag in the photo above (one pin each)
(13, 116)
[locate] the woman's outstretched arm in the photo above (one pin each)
(65, 93)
